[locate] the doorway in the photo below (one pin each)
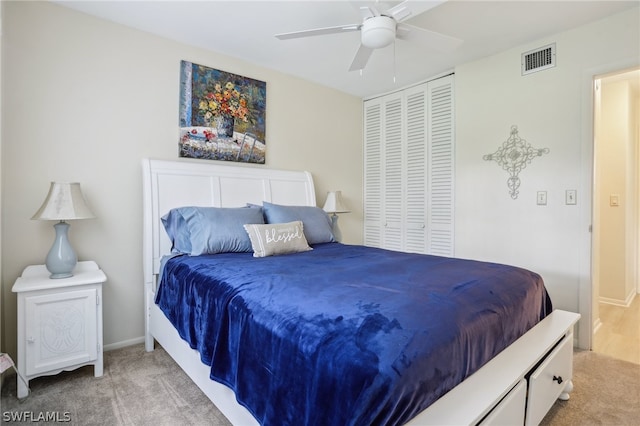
(616, 215)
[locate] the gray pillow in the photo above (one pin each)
(277, 238)
(317, 224)
(210, 230)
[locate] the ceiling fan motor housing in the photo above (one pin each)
(378, 31)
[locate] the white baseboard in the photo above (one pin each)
(124, 343)
(617, 302)
(596, 325)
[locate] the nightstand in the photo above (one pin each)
(59, 321)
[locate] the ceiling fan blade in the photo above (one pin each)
(362, 57)
(366, 9)
(319, 31)
(367, 12)
(410, 9)
(430, 39)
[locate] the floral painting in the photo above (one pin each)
(222, 115)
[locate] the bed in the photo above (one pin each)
(361, 352)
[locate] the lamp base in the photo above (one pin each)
(337, 234)
(57, 276)
(61, 258)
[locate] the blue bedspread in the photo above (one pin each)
(346, 334)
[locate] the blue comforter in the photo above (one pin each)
(345, 334)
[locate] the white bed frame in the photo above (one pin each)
(518, 386)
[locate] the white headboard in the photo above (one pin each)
(169, 184)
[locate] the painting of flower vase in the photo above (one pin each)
(222, 115)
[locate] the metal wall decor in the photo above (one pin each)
(513, 156)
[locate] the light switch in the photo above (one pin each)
(614, 200)
(542, 198)
(570, 196)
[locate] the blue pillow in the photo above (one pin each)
(210, 230)
(317, 224)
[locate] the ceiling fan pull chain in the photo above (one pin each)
(394, 62)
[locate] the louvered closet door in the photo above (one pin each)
(384, 173)
(440, 154)
(372, 173)
(393, 173)
(408, 169)
(415, 200)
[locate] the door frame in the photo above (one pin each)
(587, 187)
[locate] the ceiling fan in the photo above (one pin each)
(380, 29)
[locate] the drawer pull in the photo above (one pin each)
(557, 379)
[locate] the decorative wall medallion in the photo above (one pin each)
(513, 156)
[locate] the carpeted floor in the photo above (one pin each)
(606, 392)
(140, 388)
(137, 388)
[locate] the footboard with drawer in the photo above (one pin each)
(516, 387)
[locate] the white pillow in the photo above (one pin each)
(277, 238)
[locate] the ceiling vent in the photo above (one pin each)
(539, 59)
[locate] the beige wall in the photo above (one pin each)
(616, 174)
(85, 99)
(552, 109)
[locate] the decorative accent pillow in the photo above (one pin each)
(277, 238)
(210, 230)
(317, 224)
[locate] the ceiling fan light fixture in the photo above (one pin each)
(377, 32)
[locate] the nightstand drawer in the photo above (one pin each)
(60, 330)
(549, 380)
(509, 411)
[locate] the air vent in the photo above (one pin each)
(539, 59)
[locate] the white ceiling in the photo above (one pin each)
(246, 29)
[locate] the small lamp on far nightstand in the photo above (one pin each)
(64, 202)
(334, 205)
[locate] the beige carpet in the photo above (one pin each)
(140, 388)
(606, 392)
(137, 388)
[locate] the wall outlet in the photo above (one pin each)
(541, 199)
(570, 196)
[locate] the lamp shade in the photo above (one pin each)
(64, 202)
(334, 203)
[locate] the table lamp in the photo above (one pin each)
(64, 202)
(334, 205)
